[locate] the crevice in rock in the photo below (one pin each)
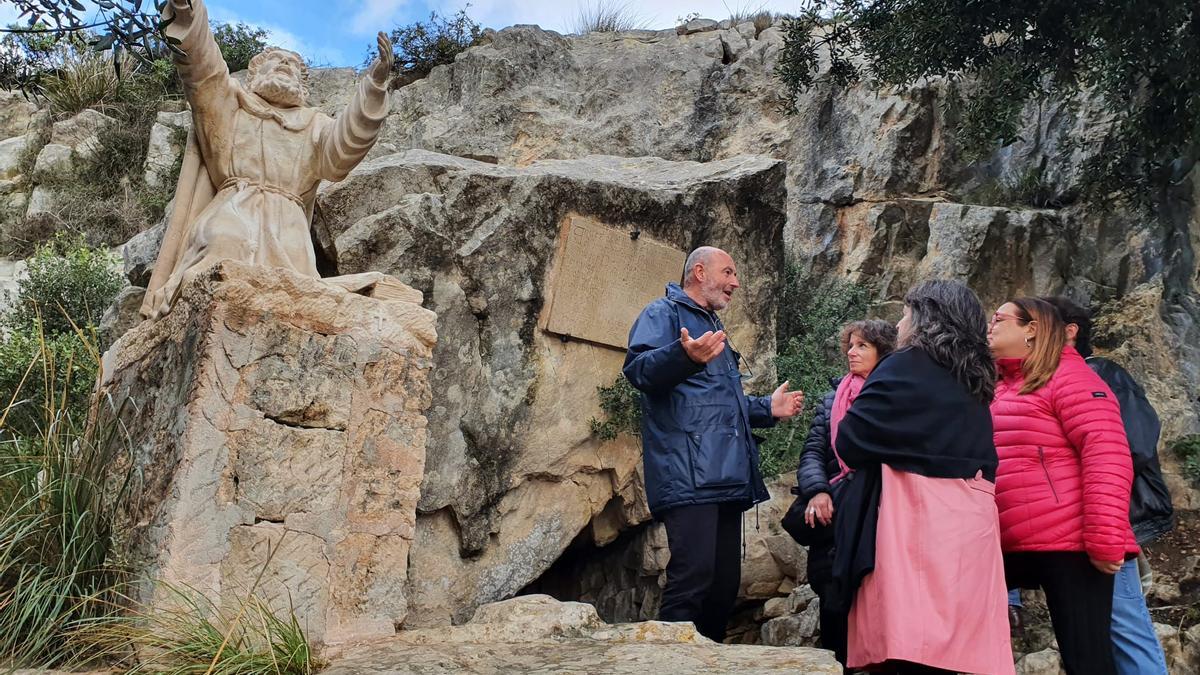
(287, 421)
(727, 55)
(621, 580)
(278, 520)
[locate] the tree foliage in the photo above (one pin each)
(1139, 56)
(131, 26)
(239, 43)
(421, 46)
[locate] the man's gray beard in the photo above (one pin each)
(279, 90)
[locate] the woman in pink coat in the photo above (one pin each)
(918, 542)
(1063, 484)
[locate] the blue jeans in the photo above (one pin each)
(1014, 598)
(1135, 646)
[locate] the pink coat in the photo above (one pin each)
(937, 595)
(1065, 470)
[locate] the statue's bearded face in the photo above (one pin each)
(277, 75)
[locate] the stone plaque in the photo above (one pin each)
(602, 278)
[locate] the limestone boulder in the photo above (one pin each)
(17, 113)
(141, 252)
(793, 630)
(79, 131)
(42, 200)
(537, 634)
(1172, 641)
(515, 474)
(54, 164)
(1045, 662)
(165, 150)
(278, 431)
(1191, 652)
(12, 153)
(122, 315)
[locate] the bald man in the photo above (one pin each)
(701, 461)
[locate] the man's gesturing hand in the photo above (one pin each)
(704, 348)
(784, 403)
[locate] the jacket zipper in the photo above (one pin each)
(1046, 470)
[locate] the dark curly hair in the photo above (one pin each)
(948, 324)
(879, 334)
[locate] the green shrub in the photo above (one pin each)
(621, 405)
(239, 43)
(1187, 449)
(420, 47)
(811, 315)
(67, 285)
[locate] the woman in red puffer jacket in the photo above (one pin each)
(1062, 487)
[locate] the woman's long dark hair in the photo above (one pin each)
(948, 324)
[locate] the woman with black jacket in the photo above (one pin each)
(820, 470)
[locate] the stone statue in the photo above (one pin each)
(254, 158)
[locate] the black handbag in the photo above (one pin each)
(806, 535)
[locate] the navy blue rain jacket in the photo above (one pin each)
(696, 420)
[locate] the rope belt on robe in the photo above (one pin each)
(241, 183)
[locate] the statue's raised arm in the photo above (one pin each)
(201, 66)
(347, 140)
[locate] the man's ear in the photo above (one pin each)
(1072, 331)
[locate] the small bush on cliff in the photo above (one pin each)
(1187, 449)
(622, 408)
(811, 315)
(606, 16)
(422, 46)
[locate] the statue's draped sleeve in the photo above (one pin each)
(347, 139)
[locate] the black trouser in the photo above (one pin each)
(820, 577)
(1079, 598)
(704, 571)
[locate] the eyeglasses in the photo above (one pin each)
(1001, 316)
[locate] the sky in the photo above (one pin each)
(341, 32)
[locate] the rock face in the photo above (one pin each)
(536, 634)
(513, 473)
(278, 427)
(876, 188)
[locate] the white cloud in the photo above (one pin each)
(375, 15)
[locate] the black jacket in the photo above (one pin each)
(915, 417)
(818, 464)
(1150, 510)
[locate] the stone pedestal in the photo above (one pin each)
(278, 422)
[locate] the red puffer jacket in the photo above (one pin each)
(1065, 471)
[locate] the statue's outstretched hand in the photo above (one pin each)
(381, 67)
